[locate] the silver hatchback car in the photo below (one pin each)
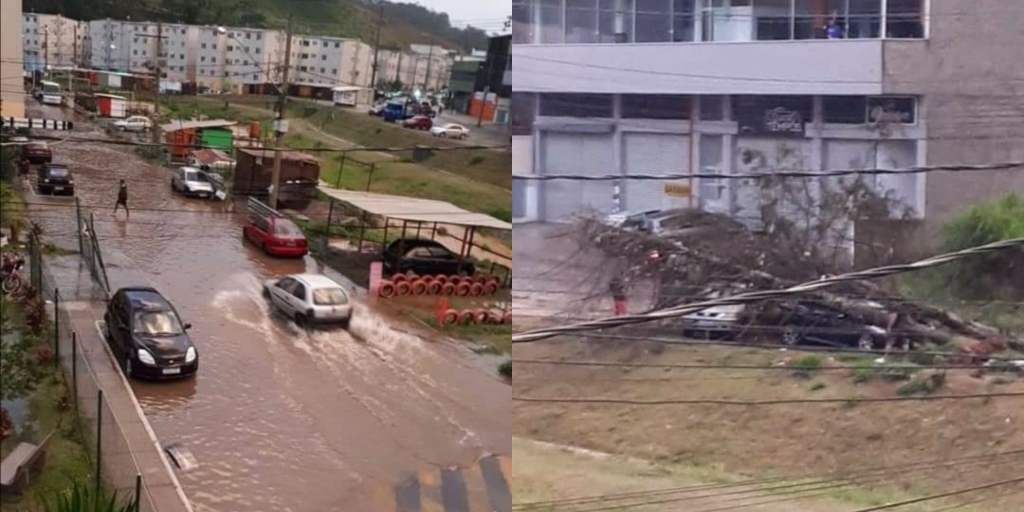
(310, 299)
(192, 182)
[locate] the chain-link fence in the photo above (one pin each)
(115, 465)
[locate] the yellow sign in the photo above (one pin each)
(677, 190)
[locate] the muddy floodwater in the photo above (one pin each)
(279, 419)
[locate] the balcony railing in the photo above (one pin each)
(666, 21)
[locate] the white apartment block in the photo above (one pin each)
(180, 46)
(331, 61)
(388, 62)
(53, 40)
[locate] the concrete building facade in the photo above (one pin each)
(621, 87)
(12, 92)
(332, 61)
(53, 40)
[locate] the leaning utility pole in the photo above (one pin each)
(487, 91)
(281, 126)
(376, 49)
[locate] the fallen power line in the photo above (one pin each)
(752, 297)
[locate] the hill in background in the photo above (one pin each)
(405, 23)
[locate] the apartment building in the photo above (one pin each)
(53, 40)
(332, 61)
(388, 63)
(621, 87)
(12, 95)
(180, 51)
(432, 66)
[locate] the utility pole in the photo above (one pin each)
(74, 48)
(376, 49)
(46, 49)
(158, 68)
(487, 90)
(282, 127)
(430, 59)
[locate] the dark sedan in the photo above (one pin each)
(425, 258)
(813, 323)
(55, 179)
(147, 336)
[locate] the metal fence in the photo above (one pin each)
(114, 463)
(89, 247)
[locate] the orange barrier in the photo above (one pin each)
(450, 317)
(419, 287)
(403, 288)
(387, 289)
(435, 288)
(466, 318)
(490, 288)
(480, 316)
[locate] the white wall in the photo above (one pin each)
(761, 67)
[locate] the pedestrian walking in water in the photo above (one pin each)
(122, 200)
(618, 291)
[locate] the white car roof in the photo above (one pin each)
(316, 280)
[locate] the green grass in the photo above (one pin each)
(807, 366)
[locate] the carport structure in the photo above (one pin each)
(414, 210)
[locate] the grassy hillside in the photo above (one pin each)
(404, 23)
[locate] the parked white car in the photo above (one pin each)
(455, 131)
(134, 124)
(310, 299)
(190, 181)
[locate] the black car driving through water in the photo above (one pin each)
(424, 257)
(55, 179)
(147, 335)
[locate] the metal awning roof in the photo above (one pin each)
(414, 209)
(174, 126)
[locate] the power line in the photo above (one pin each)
(770, 174)
(752, 297)
(941, 496)
(753, 367)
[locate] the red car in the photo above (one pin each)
(277, 236)
(418, 123)
(37, 153)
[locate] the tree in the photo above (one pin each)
(993, 275)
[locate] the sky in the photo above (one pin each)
(485, 14)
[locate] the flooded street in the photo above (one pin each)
(279, 419)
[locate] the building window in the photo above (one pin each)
(655, 106)
(845, 109)
(322, 70)
(780, 116)
(231, 48)
(337, 45)
(213, 60)
(712, 108)
(524, 108)
(615, 21)
(203, 46)
(576, 105)
(653, 21)
(892, 110)
(551, 21)
(255, 77)
(581, 21)
(202, 59)
(334, 71)
(248, 35)
(683, 20)
(259, 36)
(905, 19)
(772, 20)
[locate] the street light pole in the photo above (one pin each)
(281, 128)
(376, 49)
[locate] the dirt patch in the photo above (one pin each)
(784, 439)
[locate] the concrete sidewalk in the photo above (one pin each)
(84, 304)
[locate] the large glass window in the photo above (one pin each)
(576, 105)
(845, 109)
(892, 110)
(524, 108)
(551, 21)
(615, 21)
(653, 21)
(522, 22)
(773, 19)
(683, 19)
(865, 19)
(905, 19)
(655, 106)
(712, 108)
(581, 21)
(820, 19)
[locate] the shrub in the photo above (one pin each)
(505, 369)
(806, 366)
(85, 498)
(864, 372)
(502, 214)
(477, 160)
(923, 384)
(993, 274)
(818, 386)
